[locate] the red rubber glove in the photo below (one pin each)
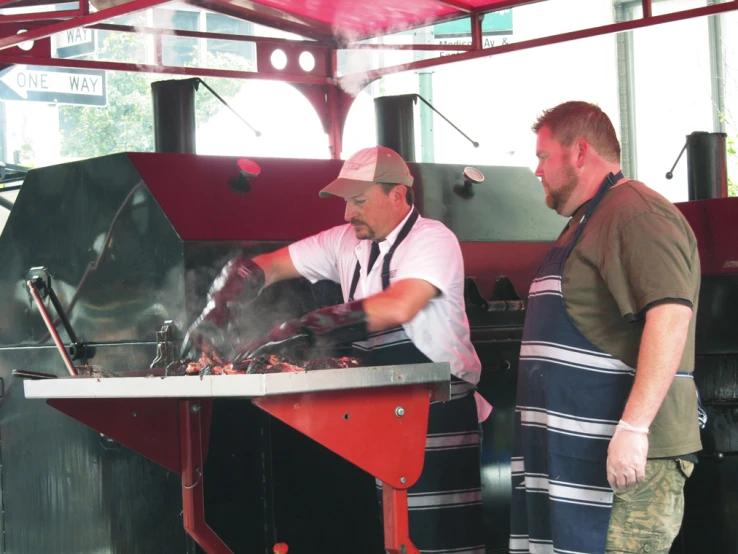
(332, 325)
(240, 279)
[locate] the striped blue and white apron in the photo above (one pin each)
(570, 397)
(445, 505)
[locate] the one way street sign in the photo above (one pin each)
(54, 85)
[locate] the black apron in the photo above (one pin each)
(445, 505)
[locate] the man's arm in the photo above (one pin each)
(398, 304)
(277, 266)
(662, 345)
(347, 322)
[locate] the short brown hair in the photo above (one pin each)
(571, 121)
(387, 187)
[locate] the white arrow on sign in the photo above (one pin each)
(22, 80)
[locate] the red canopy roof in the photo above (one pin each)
(354, 19)
(335, 21)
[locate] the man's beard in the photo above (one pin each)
(556, 200)
(364, 232)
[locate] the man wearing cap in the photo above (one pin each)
(402, 278)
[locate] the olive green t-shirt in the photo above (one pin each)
(637, 251)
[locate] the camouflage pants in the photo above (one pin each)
(647, 518)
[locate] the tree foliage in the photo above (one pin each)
(126, 124)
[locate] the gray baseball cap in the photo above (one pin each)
(369, 166)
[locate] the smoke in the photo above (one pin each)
(356, 62)
(251, 318)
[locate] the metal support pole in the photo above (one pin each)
(396, 524)
(425, 87)
(193, 496)
(427, 141)
(52, 330)
(476, 31)
(717, 70)
(335, 122)
(626, 96)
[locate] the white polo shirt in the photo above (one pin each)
(430, 252)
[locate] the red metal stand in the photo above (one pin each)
(396, 527)
(193, 490)
(381, 430)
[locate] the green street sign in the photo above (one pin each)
(494, 23)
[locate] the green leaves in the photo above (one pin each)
(126, 124)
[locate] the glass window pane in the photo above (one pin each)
(217, 23)
(178, 51)
(673, 98)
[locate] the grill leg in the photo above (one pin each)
(193, 503)
(396, 528)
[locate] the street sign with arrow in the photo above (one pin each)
(53, 85)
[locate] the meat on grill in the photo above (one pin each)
(211, 364)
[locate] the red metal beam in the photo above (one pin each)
(40, 16)
(714, 9)
(166, 69)
(476, 31)
(396, 521)
(492, 7)
(202, 34)
(461, 6)
(428, 47)
(503, 5)
(453, 16)
(80, 21)
(191, 429)
(335, 123)
(647, 11)
(270, 17)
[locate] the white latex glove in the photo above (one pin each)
(626, 457)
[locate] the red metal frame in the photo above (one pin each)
(205, 35)
(166, 69)
(461, 6)
(396, 526)
(364, 426)
(52, 330)
(321, 56)
(714, 223)
(79, 21)
(334, 114)
(40, 49)
(543, 41)
(419, 47)
(270, 17)
(193, 442)
(42, 16)
(647, 11)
